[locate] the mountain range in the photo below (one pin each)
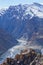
(21, 21)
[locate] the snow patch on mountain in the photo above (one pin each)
(2, 11)
(17, 49)
(34, 10)
(14, 50)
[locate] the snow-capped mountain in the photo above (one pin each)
(23, 22)
(21, 19)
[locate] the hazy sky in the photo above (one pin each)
(7, 3)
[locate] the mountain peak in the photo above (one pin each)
(37, 4)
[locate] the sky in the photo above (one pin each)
(7, 3)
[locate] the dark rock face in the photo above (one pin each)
(6, 41)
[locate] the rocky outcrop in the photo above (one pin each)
(24, 58)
